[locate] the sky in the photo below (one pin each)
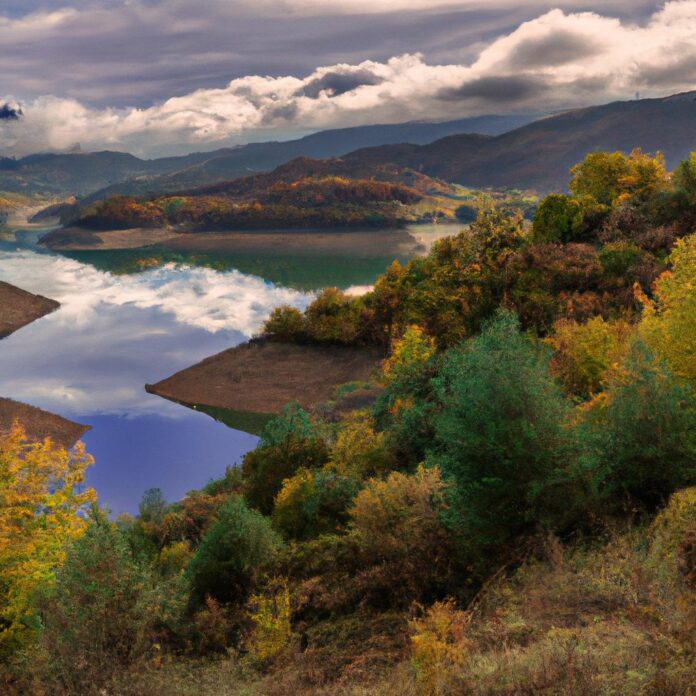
(157, 77)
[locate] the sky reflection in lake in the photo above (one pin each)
(90, 360)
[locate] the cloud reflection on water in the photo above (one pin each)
(113, 334)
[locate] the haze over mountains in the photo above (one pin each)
(491, 151)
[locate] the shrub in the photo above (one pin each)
(313, 503)
(237, 549)
(285, 324)
(405, 550)
(438, 647)
(105, 611)
(270, 615)
(289, 442)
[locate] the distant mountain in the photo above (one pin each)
(84, 173)
(539, 155)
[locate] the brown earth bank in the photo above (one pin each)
(262, 377)
(19, 308)
(353, 242)
(40, 424)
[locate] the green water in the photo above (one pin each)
(299, 271)
(282, 263)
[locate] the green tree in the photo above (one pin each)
(237, 549)
(499, 432)
(558, 218)
(289, 442)
(645, 433)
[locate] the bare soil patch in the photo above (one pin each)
(262, 377)
(19, 308)
(40, 424)
(77, 239)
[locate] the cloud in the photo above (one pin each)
(9, 113)
(557, 60)
(340, 81)
(499, 89)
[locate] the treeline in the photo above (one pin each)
(305, 203)
(583, 257)
(516, 513)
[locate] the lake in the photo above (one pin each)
(134, 316)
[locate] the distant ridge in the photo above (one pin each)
(117, 172)
(539, 155)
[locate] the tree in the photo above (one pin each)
(669, 325)
(499, 432)
(558, 219)
(233, 554)
(645, 433)
(42, 506)
(584, 353)
(285, 324)
(313, 503)
(612, 178)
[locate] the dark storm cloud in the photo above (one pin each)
(681, 70)
(10, 113)
(115, 53)
(557, 49)
(497, 89)
(335, 83)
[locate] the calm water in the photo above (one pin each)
(118, 329)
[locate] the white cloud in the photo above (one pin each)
(554, 61)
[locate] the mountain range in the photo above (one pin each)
(499, 152)
(84, 173)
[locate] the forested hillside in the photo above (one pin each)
(539, 155)
(514, 514)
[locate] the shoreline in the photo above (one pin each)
(19, 308)
(39, 424)
(261, 377)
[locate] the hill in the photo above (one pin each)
(540, 154)
(122, 173)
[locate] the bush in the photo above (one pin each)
(105, 612)
(405, 550)
(237, 549)
(286, 325)
(289, 442)
(313, 503)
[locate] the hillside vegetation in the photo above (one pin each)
(515, 514)
(306, 203)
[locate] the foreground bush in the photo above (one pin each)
(105, 612)
(233, 554)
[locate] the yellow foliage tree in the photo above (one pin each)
(669, 324)
(270, 613)
(42, 506)
(583, 353)
(410, 352)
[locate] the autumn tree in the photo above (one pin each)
(42, 505)
(669, 323)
